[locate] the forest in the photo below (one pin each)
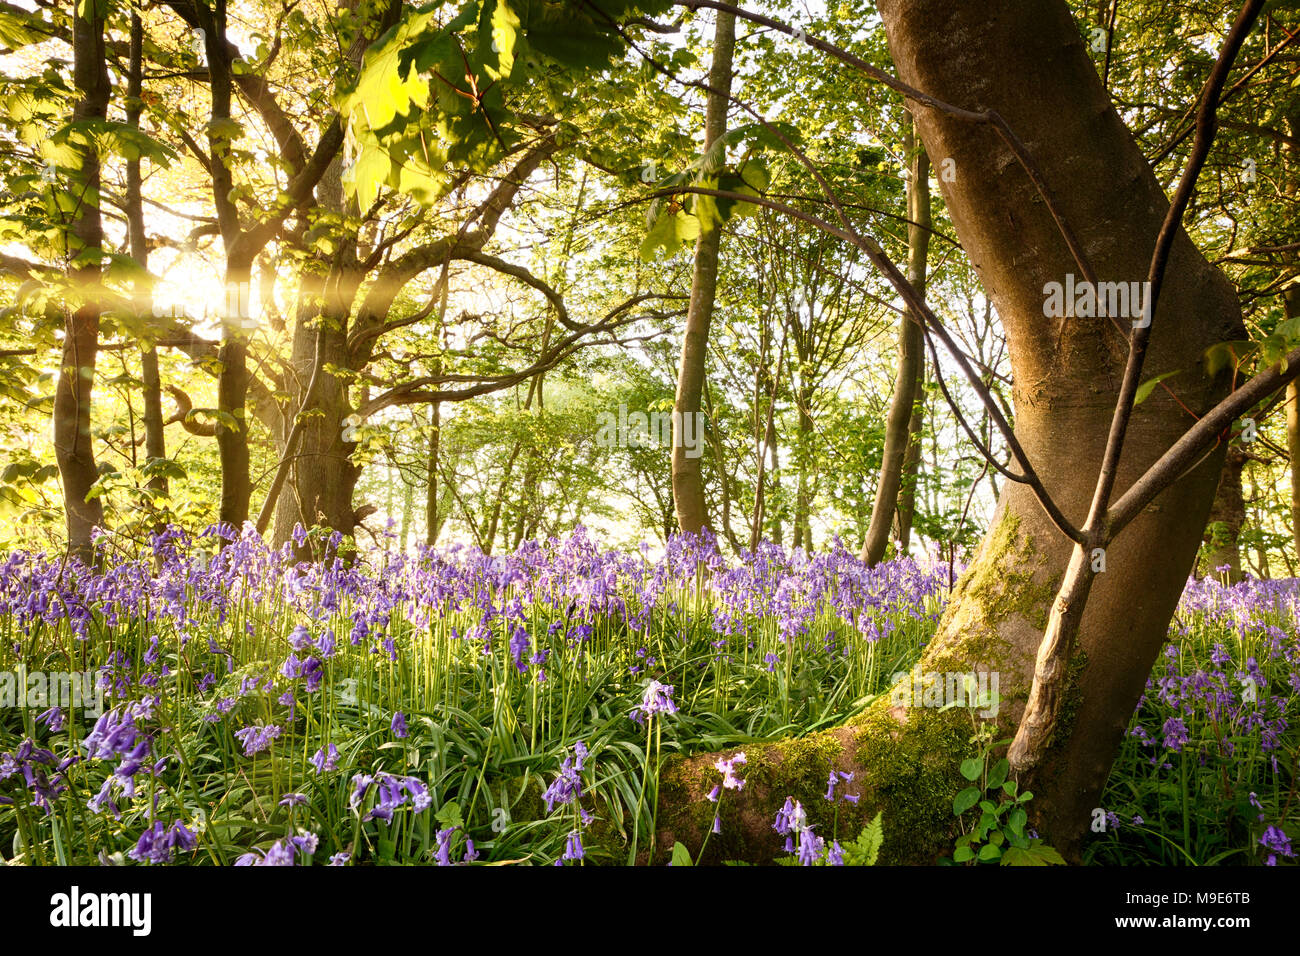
(649, 432)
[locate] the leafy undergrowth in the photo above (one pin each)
(462, 708)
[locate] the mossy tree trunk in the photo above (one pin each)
(1227, 517)
(1026, 60)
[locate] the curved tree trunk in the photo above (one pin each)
(1026, 60)
(688, 478)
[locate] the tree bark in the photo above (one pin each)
(1292, 303)
(911, 363)
(1026, 60)
(688, 477)
(1293, 446)
(905, 516)
(73, 446)
(1227, 516)
(433, 520)
(155, 441)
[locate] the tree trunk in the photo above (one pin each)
(911, 362)
(688, 478)
(804, 489)
(1227, 516)
(323, 475)
(155, 442)
(1027, 61)
(432, 520)
(1292, 302)
(906, 513)
(73, 448)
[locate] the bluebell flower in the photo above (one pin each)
(325, 759)
(159, 843)
(657, 699)
(1276, 842)
(573, 847)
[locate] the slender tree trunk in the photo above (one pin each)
(804, 489)
(1227, 516)
(155, 442)
(73, 446)
(1293, 446)
(688, 478)
(1292, 302)
(432, 521)
(232, 379)
(906, 512)
(911, 362)
(408, 510)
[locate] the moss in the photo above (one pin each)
(905, 761)
(913, 768)
(1004, 582)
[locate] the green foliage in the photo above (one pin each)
(992, 812)
(866, 848)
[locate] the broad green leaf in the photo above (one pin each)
(999, 773)
(965, 800)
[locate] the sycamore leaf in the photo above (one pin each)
(669, 232)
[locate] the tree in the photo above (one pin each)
(1039, 583)
(688, 481)
(72, 435)
(900, 435)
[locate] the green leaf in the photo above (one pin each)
(1145, 388)
(999, 773)
(448, 815)
(1016, 856)
(989, 853)
(681, 856)
(1223, 354)
(963, 854)
(669, 232)
(972, 767)
(866, 848)
(965, 800)
(1016, 822)
(1048, 855)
